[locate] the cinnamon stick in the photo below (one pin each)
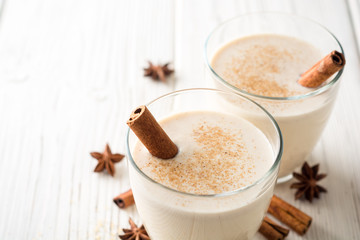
(322, 70)
(289, 215)
(272, 231)
(125, 199)
(150, 133)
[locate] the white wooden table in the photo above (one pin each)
(71, 72)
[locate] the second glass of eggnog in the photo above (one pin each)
(220, 183)
(262, 55)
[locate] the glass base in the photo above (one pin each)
(284, 179)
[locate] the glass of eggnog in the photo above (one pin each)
(261, 56)
(220, 183)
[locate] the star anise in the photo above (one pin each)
(134, 233)
(158, 72)
(308, 182)
(106, 160)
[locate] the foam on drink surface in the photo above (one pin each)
(217, 153)
(266, 65)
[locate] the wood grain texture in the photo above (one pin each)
(70, 74)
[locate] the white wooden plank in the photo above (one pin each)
(89, 69)
(354, 9)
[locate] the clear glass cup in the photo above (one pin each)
(175, 215)
(301, 118)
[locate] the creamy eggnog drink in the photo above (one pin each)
(269, 65)
(266, 68)
(218, 153)
(266, 65)
(219, 184)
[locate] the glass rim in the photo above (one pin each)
(265, 176)
(290, 15)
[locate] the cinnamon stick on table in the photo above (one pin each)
(125, 199)
(289, 215)
(150, 133)
(322, 70)
(272, 231)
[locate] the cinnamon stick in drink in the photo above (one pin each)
(289, 215)
(272, 231)
(125, 199)
(322, 70)
(150, 133)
